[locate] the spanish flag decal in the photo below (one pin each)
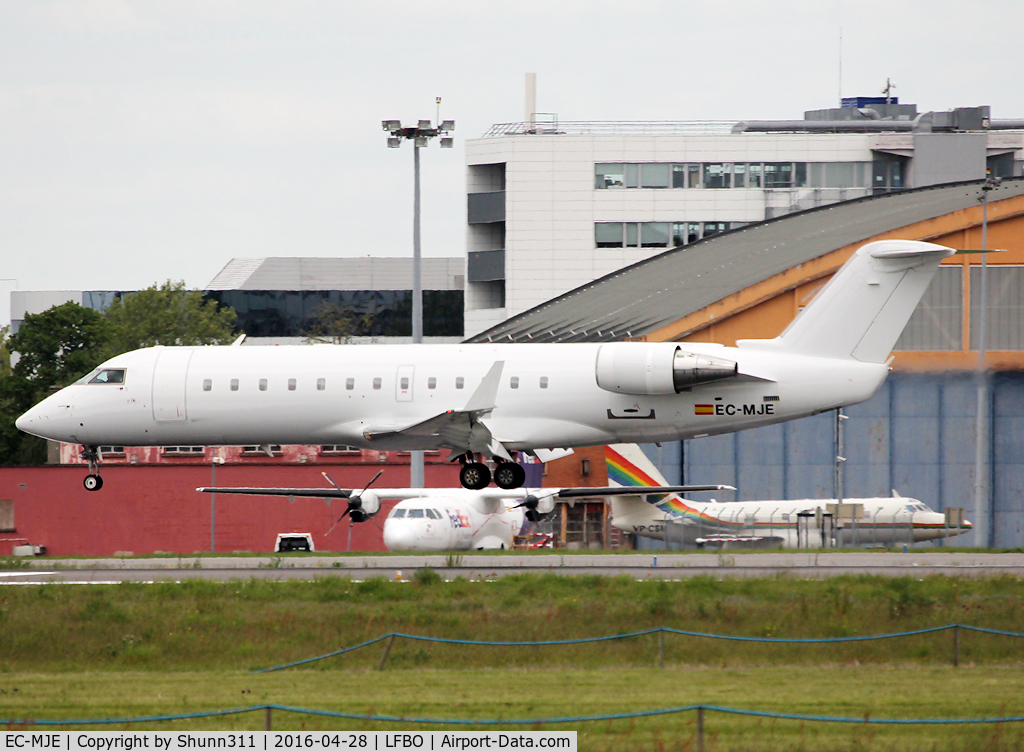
(703, 409)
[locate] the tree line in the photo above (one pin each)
(60, 345)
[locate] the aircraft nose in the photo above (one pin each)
(49, 419)
(398, 537)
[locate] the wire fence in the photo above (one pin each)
(700, 710)
(390, 637)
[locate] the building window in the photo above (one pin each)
(608, 176)
(207, 385)
(291, 385)
(717, 175)
(321, 384)
(350, 384)
(186, 450)
(654, 234)
(263, 385)
(7, 516)
(778, 175)
(338, 449)
(253, 449)
(234, 385)
(432, 382)
(376, 382)
(585, 467)
(112, 451)
(655, 175)
(608, 234)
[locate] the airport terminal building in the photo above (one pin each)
(552, 205)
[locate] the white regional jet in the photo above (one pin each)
(452, 519)
(807, 523)
(495, 399)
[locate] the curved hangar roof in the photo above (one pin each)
(649, 295)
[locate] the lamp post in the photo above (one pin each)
(982, 495)
(213, 502)
(420, 134)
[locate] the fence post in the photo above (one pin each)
(661, 648)
(956, 645)
(268, 722)
(384, 655)
(700, 728)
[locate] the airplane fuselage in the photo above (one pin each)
(456, 521)
(366, 395)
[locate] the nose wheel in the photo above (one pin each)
(93, 481)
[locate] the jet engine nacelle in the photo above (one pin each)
(657, 368)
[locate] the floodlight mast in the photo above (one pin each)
(420, 135)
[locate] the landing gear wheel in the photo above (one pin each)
(474, 476)
(509, 475)
(93, 483)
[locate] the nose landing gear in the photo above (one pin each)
(93, 481)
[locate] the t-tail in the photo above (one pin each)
(863, 309)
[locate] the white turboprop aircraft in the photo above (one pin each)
(496, 399)
(451, 519)
(806, 523)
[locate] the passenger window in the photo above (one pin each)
(416, 513)
(396, 513)
(432, 382)
(459, 382)
(514, 382)
(376, 382)
(234, 385)
(108, 376)
(291, 385)
(350, 384)
(207, 385)
(321, 384)
(263, 385)
(543, 382)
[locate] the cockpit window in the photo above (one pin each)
(416, 513)
(395, 513)
(108, 376)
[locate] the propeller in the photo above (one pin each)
(531, 503)
(355, 503)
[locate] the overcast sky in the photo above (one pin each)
(149, 140)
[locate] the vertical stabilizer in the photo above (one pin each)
(629, 466)
(863, 309)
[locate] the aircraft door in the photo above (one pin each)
(169, 384)
(403, 383)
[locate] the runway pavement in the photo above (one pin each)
(647, 565)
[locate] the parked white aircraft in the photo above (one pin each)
(450, 519)
(806, 523)
(499, 399)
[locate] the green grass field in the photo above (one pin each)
(131, 650)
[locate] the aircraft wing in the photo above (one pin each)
(459, 429)
(566, 493)
(314, 493)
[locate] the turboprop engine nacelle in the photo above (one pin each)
(657, 368)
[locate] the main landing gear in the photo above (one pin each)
(93, 481)
(476, 475)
